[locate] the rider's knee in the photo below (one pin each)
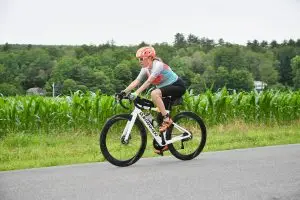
(156, 93)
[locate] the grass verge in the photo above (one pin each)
(21, 151)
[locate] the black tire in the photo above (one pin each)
(197, 146)
(138, 135)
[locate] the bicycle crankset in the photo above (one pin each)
(156, 145)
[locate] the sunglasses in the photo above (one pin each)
(141, 59)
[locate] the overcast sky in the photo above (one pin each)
(129, 22)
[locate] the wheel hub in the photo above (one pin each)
(123, 141)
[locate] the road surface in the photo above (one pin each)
(271, 173)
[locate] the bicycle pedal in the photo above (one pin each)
(161, 153)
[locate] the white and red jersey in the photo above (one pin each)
(162, 72)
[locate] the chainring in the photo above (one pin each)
(156, 145)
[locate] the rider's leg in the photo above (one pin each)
(175, 90)
(156, 97)
(165, 121)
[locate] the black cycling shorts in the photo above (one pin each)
(175, 90)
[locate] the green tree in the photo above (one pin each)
(206, 44)
(90, 61)
(55, 52)
(298, 43)
(255, 46)
(221, 42)
(264, 44)
(10, 67)
(165, 51)
(7, 89)
(80, 52)
(192, 39)
(253, 61)
(209, 77)
(222, 77)
(199, 62)
(229, 57)
(284, 55)
(197, 83)
(296, 71)
(107, 58)
(241, 80)
(274, 44)
(179, 41)
(63, 69)
(35, 70)
(268, 74)
(6, 47)
(123, 76)
(69, 85)
(103, 82)
(183, 67)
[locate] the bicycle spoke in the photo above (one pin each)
(114, 144)
(190, 147)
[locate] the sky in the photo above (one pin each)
(130, 22)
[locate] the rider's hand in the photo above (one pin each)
(132, 96)
(120, 95)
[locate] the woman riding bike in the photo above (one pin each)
(157, 73)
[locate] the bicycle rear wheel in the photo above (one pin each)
(189, 148)
(113, 147)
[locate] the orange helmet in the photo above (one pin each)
(146, 52)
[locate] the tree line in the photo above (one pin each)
(201, 62)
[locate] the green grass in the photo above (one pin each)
(240, 135)
(23, 150)
(19, 151)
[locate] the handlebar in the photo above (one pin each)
(139, 102)
(119, 97)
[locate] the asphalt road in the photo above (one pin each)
(270, 173)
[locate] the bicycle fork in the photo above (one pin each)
(127, 130)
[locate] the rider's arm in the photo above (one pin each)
(145, 85)
(132, 85)
(140, 78)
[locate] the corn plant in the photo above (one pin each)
(89, 111)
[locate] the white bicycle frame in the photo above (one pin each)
(139, 113)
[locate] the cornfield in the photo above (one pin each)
(89, 111)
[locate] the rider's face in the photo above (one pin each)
(145, 62)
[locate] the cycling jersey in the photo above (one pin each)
(162, 72)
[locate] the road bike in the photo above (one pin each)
(123, 138)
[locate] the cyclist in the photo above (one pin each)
(157, 73)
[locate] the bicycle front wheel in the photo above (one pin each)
(115, 149)
(188, 148)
